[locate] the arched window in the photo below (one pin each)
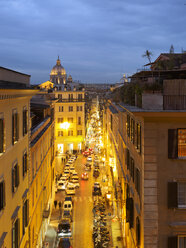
(137, 231)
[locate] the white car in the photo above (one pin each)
(70, 161)
(89, 159)
(61, 185)
(75, 181)
(70, 190)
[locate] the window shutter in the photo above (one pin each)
(17, 175)
(173, 242)
(4, 199)
(13, 180)
(17, 126)
(27, 212)
(13, 129)
(172, 143)
(172, 195)
(1, 136)
(130, 211)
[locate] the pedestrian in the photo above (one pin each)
(59, 204)
(55, 204)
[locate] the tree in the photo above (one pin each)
(147, 55)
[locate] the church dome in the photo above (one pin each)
(58, 69)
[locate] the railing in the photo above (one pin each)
(71, 100)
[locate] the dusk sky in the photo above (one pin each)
(96, 40)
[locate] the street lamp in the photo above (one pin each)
(65, 125)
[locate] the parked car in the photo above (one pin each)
(70, 190)
(64, 243)
(72, 169)
(96, 173)
(96, 190)
(64, 229)
(84, 176)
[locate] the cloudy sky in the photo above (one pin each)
(97, 40)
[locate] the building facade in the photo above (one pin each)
(42, 173)
(147, 160)
(15, 96)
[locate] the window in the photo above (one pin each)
(138, 137)
(15, 177)
(79, 120)
(2, 136)
(79, 132)
(60, 133)
(137, 181)
(60, 96)
(181, 194)
(137, 230)
(128, 159)
(79, 96)
(128, 125)
(132, 168)
(132, 136)
(182, 143)
(60, 108)
(24, 164)
(2, 195)
(25, 121)
(25, 216)
(60, 120)
(181, 242)
(111, 122)
(80, 108)
(77, 108)
(15, 234)
(70, 108)
(70, 97)
(130, 211)
(70, 132)
(15, 127)
(70, 119)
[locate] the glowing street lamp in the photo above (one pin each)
(65, 125)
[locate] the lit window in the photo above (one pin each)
(70, 132)
(181, 142)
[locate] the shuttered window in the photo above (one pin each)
(173, 242)
(130, 211)
(25, 121)
(24, 164)
(15, 234)
(138, 138)
(79, 120)
(15, 177)
(132, 135)
(172, 143)
(15, 127)
(25, 213)
(181, 242)
(128, 125)
(172, 195)
(2, 140)
(128, 159)
(2, 195)
(137, 181)
(132, 167)
(181, 194)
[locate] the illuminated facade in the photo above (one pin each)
(15, 98)
(70, 120)
(146, 151)
(58, 74)
(42, 173)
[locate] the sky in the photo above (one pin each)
(97, 40)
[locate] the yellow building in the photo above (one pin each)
(15, 98)
(42, 172)
(69, 111)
